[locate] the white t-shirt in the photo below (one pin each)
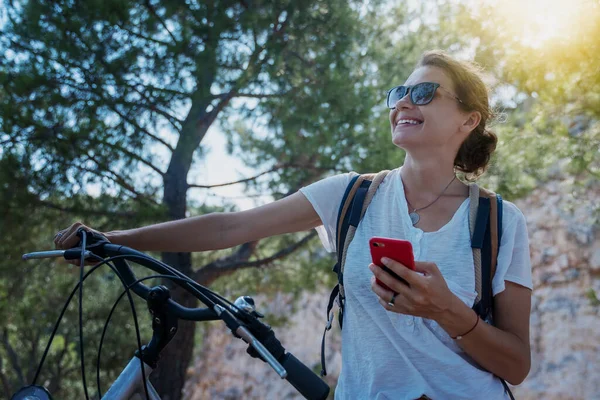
(386, 355)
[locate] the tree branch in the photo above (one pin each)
(122, 81)
(275, 168)
(257, 95)
(134, 156)
(308, 63)
(145, 131)
(140, 36)
(155, 14)
(149, 87)
(229, 265)
(4, 379)
(150, 106)
(262, 96)
(117, 179)
(252, 70)
(12, 355)
(58, 372)
(34, 354)
(76, 210)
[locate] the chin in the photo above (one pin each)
(404, 141)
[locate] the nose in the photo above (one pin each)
(404, 102)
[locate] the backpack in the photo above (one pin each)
(485, 226)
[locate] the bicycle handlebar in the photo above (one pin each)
(111, 250)
(303, 378)
(309, 384)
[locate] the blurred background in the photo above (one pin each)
(126, 113)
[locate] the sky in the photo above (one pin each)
(221, 168)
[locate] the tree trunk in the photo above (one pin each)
(169, 377)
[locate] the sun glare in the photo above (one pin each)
(538, 22)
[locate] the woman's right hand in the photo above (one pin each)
(67, 238)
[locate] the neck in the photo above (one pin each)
(426, 179)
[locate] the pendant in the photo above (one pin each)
(414, 218)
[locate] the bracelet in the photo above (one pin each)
(459, 337)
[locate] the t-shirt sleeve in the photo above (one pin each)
(514, 262)
(325, 196)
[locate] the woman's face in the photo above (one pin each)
(439, 121)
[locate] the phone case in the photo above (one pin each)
(395, 249)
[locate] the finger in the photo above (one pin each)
(396, 308)
(69, 239)
(379, 290)
(390, 281)
(427, 268)
(402, 271)
(386, 305)
(57, 237)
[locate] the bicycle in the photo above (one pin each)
(240, 317)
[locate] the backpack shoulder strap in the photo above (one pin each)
(356, 200)
(343, 219)
(485, 224)
(351, 219)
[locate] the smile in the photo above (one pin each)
(408, 122)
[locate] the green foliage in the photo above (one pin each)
(31, 296)
(591, 295)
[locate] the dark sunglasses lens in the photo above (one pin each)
(422, 93)
(395, 94)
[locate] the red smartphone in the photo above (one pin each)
(395, 249)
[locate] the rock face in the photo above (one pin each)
(565, 319)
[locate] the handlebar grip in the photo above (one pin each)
(309, 384)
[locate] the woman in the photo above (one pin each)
(402, 347)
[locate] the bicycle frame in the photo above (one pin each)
(129, 383)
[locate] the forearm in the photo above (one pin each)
(498, 351)
(222, 230)
(206, 232)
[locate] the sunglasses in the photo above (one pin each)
(420, 94)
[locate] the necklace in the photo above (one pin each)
(414, 216)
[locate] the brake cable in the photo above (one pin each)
(82, 262)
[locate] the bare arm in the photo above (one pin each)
(213, 231)
(504, 348)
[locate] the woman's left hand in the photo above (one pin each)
(428, 295)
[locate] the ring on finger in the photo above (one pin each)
(392, 300)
